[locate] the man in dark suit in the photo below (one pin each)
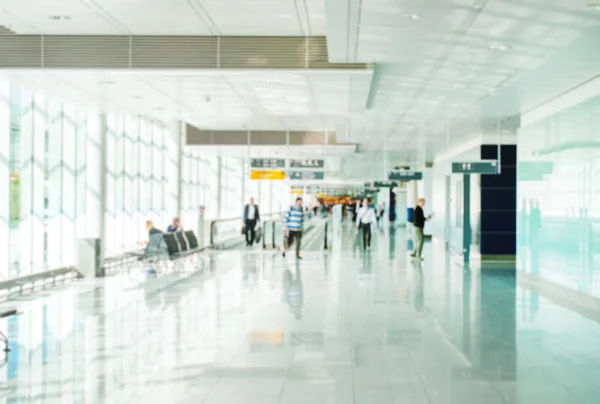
(251, 219)
(419, 223)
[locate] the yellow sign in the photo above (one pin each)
(267, 175)
(297, 192)
(266, 338)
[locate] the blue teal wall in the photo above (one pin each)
(558, 220)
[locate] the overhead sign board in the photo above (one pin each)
(306, 175)
(267, 163)
(297, 192)
(475, 167)
(267, 175)
(403, 175)
(307, 163)
(385, 184)
(371, 190)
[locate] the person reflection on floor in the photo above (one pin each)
(293, 293)
(419, 288)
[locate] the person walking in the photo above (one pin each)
(419, 223)
(293, 224)
(365, 218)
(251, 219)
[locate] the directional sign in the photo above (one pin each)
(405, 175)
(306, 175)
(475, 167)
(267, 175)
(385, 184)
(371, 190)
(307, 163)
(267, 163)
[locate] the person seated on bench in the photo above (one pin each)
(151, 229)
(156, 247)
(175, 226)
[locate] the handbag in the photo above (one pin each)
(243, 230)
(258, 234)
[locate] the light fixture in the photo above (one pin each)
(412, 16)
(107, 82)
(59, 17)
(137, 97)
(499, 47)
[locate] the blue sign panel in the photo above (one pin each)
(475, 167)
(405, 175)
(267, 163)
(385, 184)
(306, 175)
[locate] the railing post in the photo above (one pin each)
(326, 225)
(273, 235)
(264, 236)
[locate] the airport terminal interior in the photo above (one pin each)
(299, 201)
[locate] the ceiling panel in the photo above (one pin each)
(164, 17)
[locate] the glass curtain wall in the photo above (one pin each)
(139, 161)
(559, 198)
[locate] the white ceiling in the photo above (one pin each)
(266, 100)
(464, 63)
(164, 17)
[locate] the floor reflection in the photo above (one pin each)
(348, 326)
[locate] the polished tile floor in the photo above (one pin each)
(246, 327)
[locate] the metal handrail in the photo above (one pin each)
(264, 219)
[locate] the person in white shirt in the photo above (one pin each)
(364, 219)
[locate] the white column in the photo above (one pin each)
(121, 240)
(244, 174)
(173, 178)
(145, 199)
(69, 214)
(428, 186)
(54, 187)
(4, 178)
(130, 171)
(220, 184)
(271, 197)
(110, 174)
(95, 204)
(31, 229)
(81, 172)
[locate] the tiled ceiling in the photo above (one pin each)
(438, 63)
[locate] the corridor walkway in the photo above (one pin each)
(337, 327)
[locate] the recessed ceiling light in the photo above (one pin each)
(412, 16)
(499, 47)
(59, 17)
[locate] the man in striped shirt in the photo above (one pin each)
(292, 226)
